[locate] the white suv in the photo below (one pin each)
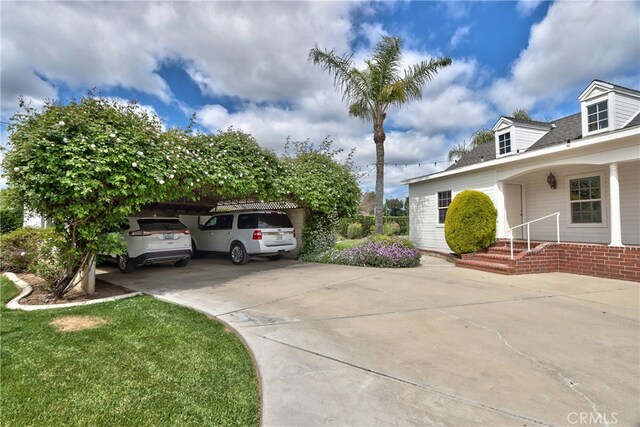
(245, 233)
(154, 239)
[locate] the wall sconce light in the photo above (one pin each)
(551, 180)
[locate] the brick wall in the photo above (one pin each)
(589, 259)
(600, 261)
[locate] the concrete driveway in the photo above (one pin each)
(434, 345)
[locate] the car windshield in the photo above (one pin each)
(157, 224)
(274, 220)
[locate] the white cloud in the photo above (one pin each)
(255, 52)
(525, 7)
(460, 34)
(575, 43)
(123, 44)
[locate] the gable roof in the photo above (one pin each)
(482, 152)
(527, 122)
(566, 129)
(634, 121)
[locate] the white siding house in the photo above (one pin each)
(585, 166)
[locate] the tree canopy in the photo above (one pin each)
(87, 165)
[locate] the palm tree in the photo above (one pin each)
(460, 150)
(481, 136)
(371, 91)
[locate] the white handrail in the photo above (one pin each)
(557, 215)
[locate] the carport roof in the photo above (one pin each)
(207, 205)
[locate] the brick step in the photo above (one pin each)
(501, 250)
(490, 257)
(491, 267)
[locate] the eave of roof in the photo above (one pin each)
(585, 142)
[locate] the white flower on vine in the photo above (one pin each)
(240, 174)
(112, 135)
(140, 153)
(171, 176)
(106, 151)
(65, 139)
(161, 182)
(60, 123)
(134, 164)
(118, 140)
(16, 169)
(93, 146)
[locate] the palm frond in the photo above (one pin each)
(351, 82)
(458, 151)
(416, 76)
(481, 136)
(386, 59)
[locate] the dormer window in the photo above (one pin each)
(598, 116)
(504, 143)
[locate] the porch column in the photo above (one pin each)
(501, 229)
(614, 202)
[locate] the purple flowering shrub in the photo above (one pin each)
(388, 253)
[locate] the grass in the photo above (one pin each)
(348, 243)
(152, 364)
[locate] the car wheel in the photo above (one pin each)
(195, 253)
(275, 257)
(182, 263)
(125, 265)
(238, 254)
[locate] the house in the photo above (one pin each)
(585, 168)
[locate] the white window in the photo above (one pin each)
(444, 200)
(504, 143)
(597, 116)
(586, 200)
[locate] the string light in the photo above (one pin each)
(419, 164)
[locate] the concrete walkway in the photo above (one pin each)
(434, 345)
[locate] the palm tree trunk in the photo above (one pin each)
(379, 137)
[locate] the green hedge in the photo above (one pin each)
(368, 221)
(40, 251)
(470, 224)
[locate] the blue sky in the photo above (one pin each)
(245, 65)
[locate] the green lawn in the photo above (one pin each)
(348, 243)
(152, 364)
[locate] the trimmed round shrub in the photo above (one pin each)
(470, 224)
(355, 231)
(391, 228)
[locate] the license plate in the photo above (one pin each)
(278, 237)
(168, 236)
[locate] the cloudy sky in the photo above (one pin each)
(245, 65)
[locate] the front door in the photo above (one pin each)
(513, 204)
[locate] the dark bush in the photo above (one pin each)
(355, 231)
(470, 224)
(40, 251)
(391, 228)
(10, 211)
(368, 224)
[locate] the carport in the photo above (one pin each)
(195, 213)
